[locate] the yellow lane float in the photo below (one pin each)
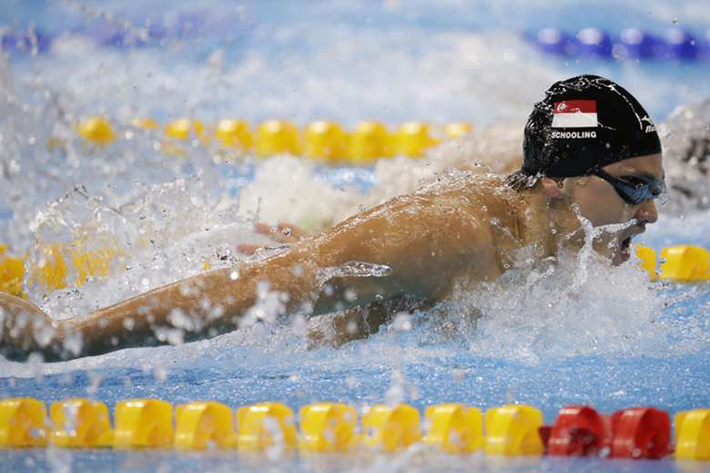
(391, 428)
(647, 256)
(234, 134)
(325, 141)
(327, 427)
(22, 423)
(93, 263)
(145, 124)
(368, 142)
(455, 428)
(58, 262)
(513, 430)
(183, 129)
(80, 423)
(412, 140)
(680, 263)
(265, 426)
(685, 263)
(50, 271)
(277, 137)
(693, 435)
(143, 423)
(12, 273)
(457, 130)
(96, 130)
(179, 129)
(203, 425)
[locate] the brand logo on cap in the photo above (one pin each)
(575, 114)
(650, 126)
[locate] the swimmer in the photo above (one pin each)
(592, 158)
(687, 157)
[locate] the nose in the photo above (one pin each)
(647, 213)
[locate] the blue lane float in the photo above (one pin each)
(115, 33)
(26, 43)
(595, 43)
(681, 45)
(637, 44)
(555, 41)
(674, 44)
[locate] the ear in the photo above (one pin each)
(552, 187)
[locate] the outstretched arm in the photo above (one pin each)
(204, 305)
(404, 247)
(201, 306)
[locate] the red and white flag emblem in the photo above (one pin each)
(575, 114)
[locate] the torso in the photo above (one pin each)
(463, 226)
(479, 226)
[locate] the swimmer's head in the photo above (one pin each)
(602, 201)
(585, 123)
(595, 152)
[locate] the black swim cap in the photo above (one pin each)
(584, 122)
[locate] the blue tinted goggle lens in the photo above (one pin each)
(633, 189)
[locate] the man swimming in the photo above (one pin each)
(592, 169)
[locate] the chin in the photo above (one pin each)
(617, 253)
(618, 260)
(621, 255)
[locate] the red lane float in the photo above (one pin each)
(636, 432)
(578, 431)
(641, 432)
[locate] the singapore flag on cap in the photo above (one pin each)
(575, 114)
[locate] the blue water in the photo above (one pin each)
(592, 335)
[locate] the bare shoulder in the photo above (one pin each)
(427, 238)
(466, 203)
(451, 212)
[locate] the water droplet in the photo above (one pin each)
(402, 322)
(160, 373)
(298, 270)
(350, 295)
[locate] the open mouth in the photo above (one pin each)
(625, 249)
(626, 243)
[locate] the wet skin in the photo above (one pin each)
(464, 229)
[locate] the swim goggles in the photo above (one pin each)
(632, 189)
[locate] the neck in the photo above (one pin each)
(544, 223)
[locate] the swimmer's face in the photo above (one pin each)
(601, 204)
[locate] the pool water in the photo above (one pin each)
(580, 333)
